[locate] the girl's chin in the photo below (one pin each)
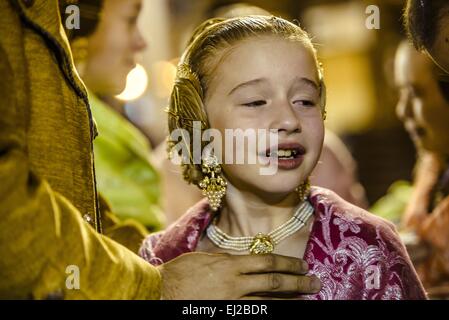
(280, 196)
(281, 183)
(274, 189)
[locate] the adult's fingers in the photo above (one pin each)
(270, 263)
(261, 298)
(278, 283)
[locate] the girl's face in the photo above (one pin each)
(113, 47)
(272, 84)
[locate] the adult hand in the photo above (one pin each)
(199, 276)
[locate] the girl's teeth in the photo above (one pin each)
(282, 153)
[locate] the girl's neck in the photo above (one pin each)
(246, 214)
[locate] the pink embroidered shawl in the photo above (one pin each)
(356, 255)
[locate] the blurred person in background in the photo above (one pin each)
(427, 23)
(337, 170)
(421, 209)
(105, 51)
(424, 109)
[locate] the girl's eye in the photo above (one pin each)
(305, 103)
(256, 103)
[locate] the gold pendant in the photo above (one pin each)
(262, 244)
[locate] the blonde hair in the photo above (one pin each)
(201, 58)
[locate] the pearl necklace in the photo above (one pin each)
(262, 243)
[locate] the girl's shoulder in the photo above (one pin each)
(180, 237)
(356, 254)
(339, 216)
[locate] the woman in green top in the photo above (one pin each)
(104, 52)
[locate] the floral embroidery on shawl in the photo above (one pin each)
(350, 254)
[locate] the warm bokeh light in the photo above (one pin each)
(165, 73)
(344, 44)
(136, 84)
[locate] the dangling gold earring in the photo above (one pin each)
(213, 184)
(303, 190)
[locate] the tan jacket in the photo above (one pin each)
(47, 182)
